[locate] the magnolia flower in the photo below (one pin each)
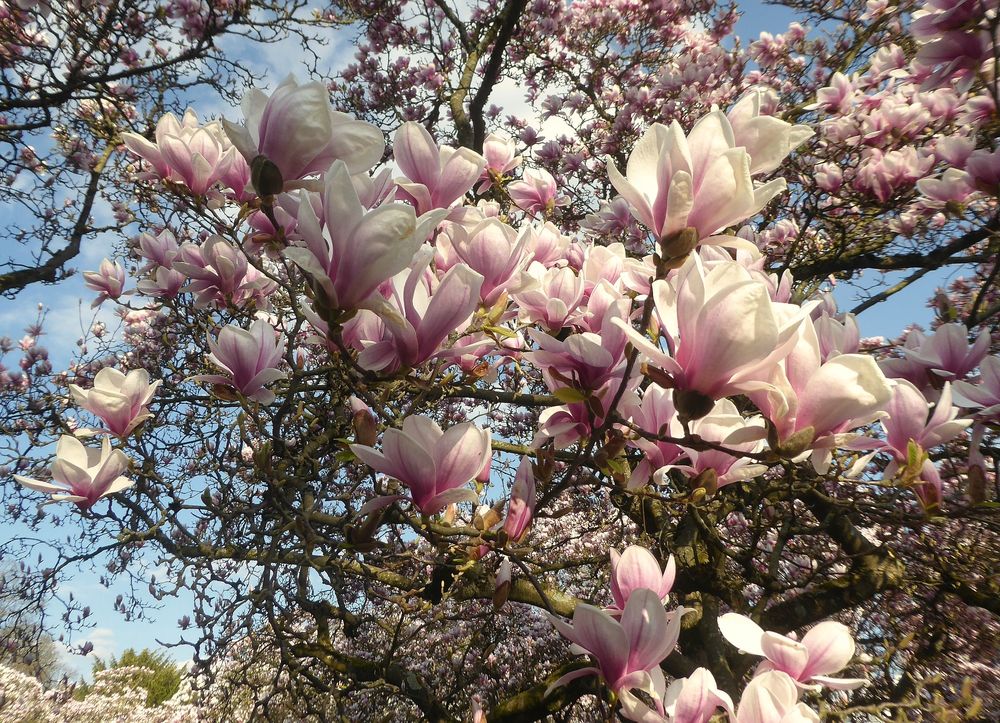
(83, 475)
(627, 653)
(435, 177)
(521, 507)
(501, 159)
(297, 130)
(701, 181)
(946, 355)
(418, 316)
(431, 463)
(767, 139)
(772, 697)
(696, 698)
(354, 250)
(221, 274)
(250, 358)
(495, 251)
(984, 396)
(637, 569)
(725, 330)
(109, 280)
(191, 154)
(536, 192)
(118, 399)
(812, 405)
(714, 468)
(826, 648)
(549, 297)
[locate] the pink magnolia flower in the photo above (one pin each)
(944, 356)
(191, 154)
(817, 403)
(495, 251)
(696, 698)
(501, 158)
(837, 336)
(725, 332)
(984, 396)
(82, 475)
(700, 181)
(434, 177)
(297, 130)
(655, 415)
(546, 244)
(418, 315)
(827, 648)
(585, 361)
(983, 167)
(836, 97)
(908, 420)
(548, 297)
(353, 251)
(158, 250)
(432, 464)
(636, 569)
(221, 274)
(118, 399)
(772, 697)
(724, 426)
(768, 140)
(521, 508)
(109, 280)
(250, 359)
(627, 653)
(536, 192)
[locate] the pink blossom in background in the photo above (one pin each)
(984, 396)
(536, 192)
(354, 250)
(220, 274)
(435, 177)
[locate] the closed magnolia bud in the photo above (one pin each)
(678, 244)
(503, 583)
(691, 404)
(365, 428)
(265, 177)
(707, 480)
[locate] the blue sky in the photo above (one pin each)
(70, 316)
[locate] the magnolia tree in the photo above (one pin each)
(495, 426)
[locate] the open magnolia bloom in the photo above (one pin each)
(433, 464)
(251, 358)
(353, 250)
(702, 180)
(722, 330)
(627, 653)
(773, 697)
(83, 475)
(826, 648)
(118, 399)
(297, 130)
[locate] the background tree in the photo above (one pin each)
(286, 371)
